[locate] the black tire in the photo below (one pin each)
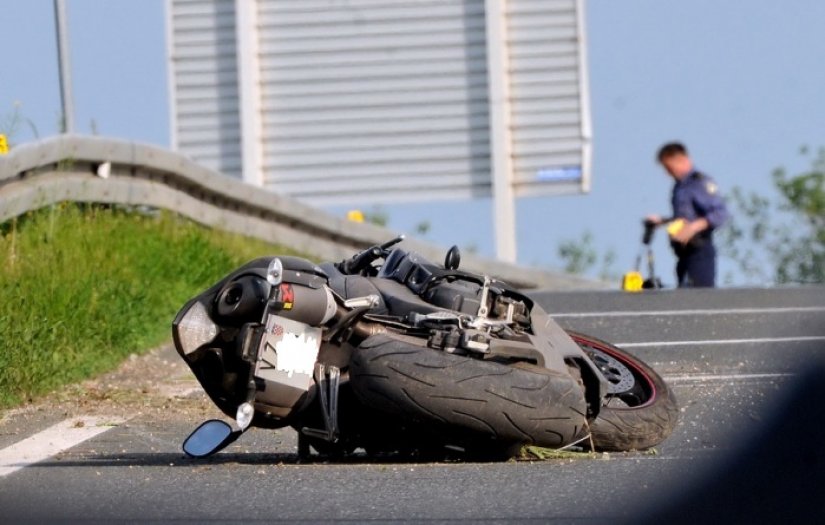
(467, 401)
(640, 411)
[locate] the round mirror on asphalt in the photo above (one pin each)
(207, 439)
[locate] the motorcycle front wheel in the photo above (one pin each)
(639, 411)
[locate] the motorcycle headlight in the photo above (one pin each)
(195, 329)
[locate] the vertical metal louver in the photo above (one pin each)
(377, 100)
(204, 82)
(550, 131)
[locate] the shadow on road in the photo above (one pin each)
(777, 476)
(165, 459)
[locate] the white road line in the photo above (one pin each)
(52, 441)
(709, 342)
(698, 378)
(665, 313)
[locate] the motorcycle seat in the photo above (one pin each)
(351, 286)
(394, 298)
(400, 300)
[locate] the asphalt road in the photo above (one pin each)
(732, 358)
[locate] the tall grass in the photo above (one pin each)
(84, 286)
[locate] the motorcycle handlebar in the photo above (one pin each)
(360, 260)
(363, 259)
(392, 242)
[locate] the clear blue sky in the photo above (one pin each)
(741, 82)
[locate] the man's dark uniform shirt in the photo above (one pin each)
(694, 197)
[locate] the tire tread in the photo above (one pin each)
(464, 397)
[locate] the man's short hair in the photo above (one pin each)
(670, 149)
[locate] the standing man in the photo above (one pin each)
(698, 210)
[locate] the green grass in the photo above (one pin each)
(85, 286)
(536, 453)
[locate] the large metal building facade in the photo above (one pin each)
(348, 101)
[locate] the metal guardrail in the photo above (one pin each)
(95, 169)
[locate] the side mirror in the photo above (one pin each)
(210, 437)
(453, 258)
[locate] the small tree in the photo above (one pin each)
(377, 216)
(580, 256)
(784, 241)
(11, 124)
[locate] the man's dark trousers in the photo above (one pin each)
(696, 266)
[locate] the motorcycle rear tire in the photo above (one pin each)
(643, 423)
(466, 399)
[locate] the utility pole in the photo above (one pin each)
(65, 66)
(504, 208)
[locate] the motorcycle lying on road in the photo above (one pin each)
(391, 354)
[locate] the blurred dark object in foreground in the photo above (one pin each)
(778, 476)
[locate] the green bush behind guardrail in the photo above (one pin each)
(85, 286)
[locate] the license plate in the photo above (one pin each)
(288, 352)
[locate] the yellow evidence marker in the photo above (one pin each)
(632, 282)
(355, 215)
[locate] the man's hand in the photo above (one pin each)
(689, 230)
(656, 220)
